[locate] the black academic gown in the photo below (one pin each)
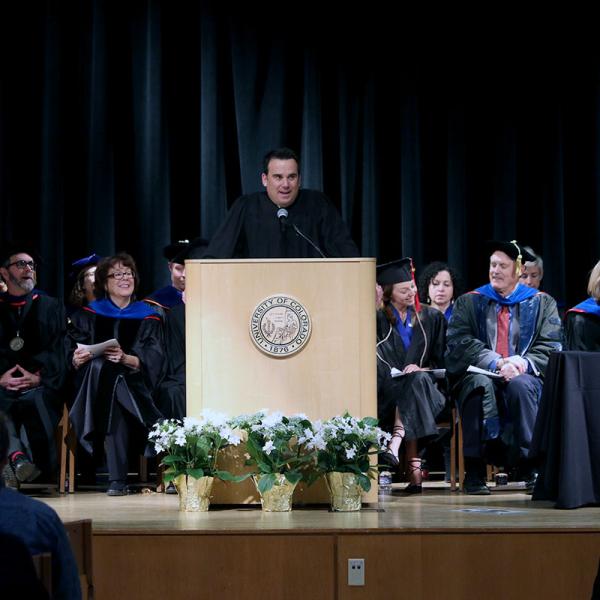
(252, 229)
(171, 391)
(96, 381)
(415, 395)
(39, 409)
(582, 332)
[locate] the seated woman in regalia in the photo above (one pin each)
(410, 342)
(114, 388)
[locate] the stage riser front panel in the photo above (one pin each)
(460, 566)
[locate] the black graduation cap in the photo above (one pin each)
(512, 249)
(396, 271)
(172, 250)
(10, 248)
(195, 249)
(529, 251)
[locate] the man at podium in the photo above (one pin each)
(284, 221)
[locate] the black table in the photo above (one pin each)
(567, 433)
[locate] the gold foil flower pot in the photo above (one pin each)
(279, 497)
(346, 493)
(194, 494)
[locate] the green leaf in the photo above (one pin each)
(227, 476)
(370, 421)
(266, 482)
(197, 473)
(311, 477)
(365, 482)
(304, 458)
(253, 446)
(204, 445)
(363, 464)
(325, 461)
(264, 467)
(168, 477)
(170, 459)
(293, 476)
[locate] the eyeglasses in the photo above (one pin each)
(22, 264)
(122, 275)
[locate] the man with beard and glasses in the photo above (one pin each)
(32, 366)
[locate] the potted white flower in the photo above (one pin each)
(191, 450)
(276, 453)
(344, 445)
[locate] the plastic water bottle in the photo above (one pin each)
(385, 482)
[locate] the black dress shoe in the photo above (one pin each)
(171, 489)
(475, 486)
(530, 482)
(117, 488)
(413, 488)
(387, 459)
(24, 469)
(9, 477)
(474, 482)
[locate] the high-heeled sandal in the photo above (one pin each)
(414, 466)
(388, 458)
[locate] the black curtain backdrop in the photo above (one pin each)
(125, 125)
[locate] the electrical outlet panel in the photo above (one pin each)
(356, 571)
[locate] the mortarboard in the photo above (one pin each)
(194, 249)
(170, 251)
(519, 254)
(396, 271)
(83, 263)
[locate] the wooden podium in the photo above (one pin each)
(334, 371)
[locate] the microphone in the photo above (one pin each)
(282, 215)
(298, 232)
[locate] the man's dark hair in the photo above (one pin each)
(3, 437)
(279, 154)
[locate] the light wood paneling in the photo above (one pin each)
(464, 566)
(214, 567)
(437, 511)
(226, 371)
(441, 545)
(334, 372)
(502, 566)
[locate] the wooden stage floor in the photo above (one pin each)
(437, 509)
(439, 545)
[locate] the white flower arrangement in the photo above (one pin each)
(344, 444)
(192, 446)
(275, 445)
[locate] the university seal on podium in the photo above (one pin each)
(280, 325)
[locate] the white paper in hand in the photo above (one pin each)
(491, 374)
(98, 349)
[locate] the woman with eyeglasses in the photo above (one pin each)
(114, 389)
